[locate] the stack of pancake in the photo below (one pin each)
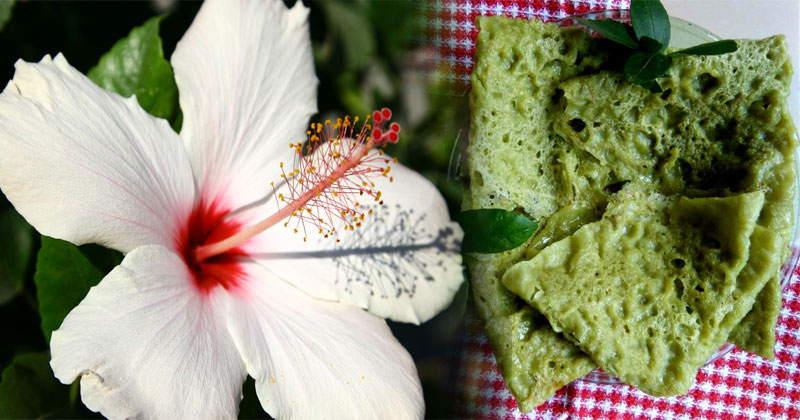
(664, 217)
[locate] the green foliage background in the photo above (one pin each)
(362, 63)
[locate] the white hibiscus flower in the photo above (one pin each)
(173, 331)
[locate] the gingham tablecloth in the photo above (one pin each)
(736, 386)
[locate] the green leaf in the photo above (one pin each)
(102, 258)
(135, 65)
(63, 278)
(618, 32)
(652, 86)
(650, 45)
(711, 48)
(5, 11)
(29, 390)
(353, 29)
(650, 19)
(17, 240)
(642, 67)
(489, 231)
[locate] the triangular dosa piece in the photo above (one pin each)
(651, 290)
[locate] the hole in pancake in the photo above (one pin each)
(577, 124)
(678, 287)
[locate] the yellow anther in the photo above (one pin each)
(328, 122)
(295, 231)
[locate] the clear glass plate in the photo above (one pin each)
(683, 35)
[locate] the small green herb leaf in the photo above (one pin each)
(650, 19)
(648, 44)
(644, 67)
(488, 231)
(711, 48)
(63, 278)
(652, 86)
(615, 31)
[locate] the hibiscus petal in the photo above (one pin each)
(147, 344)
(316, 359)
(247, 87)
(404, 263)
(85, 165)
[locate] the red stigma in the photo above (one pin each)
(377, 117)
(386, 113)
(207, 225)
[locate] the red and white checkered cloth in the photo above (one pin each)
(736, 386)
(449, 29)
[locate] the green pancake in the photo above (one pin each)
(518, 68)
(721, 125)
(533, 85)
(651, 290)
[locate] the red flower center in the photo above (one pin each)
(206, 225)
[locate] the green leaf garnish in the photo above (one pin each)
(652, 86)
(711, 48)
(642, 67)
(136, 65)
(488, 231)
(615, 31)
(63, 278)
(648, 44)
(650, 38)
(650, 19)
